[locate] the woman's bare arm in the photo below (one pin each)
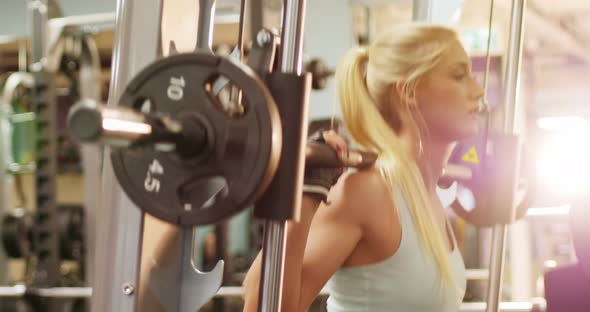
(295, 231)
(334, 230)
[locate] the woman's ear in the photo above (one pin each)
(399, 87)
(393, 110)
(406, 95)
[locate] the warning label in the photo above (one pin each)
(471, 156)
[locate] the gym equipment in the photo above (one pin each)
(320, 72)
(44, 236)
(484, 175)
(514, 57)
(16, 143)
(213, 153)
(567, 287)
(21, 122)
(17, 232)
(51, 234)
(166, 279)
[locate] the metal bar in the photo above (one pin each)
(54, 9)
(205, 27)
(256, 17)
(116, 276)
(494, 290)
(62, 292)
(275, 231)
(5, 189)
(22, 55)
(46, 260)
(273, 262)
(38, 29)
(477, 274)
(292, 36)
(512, 84)
(242, 29)
(82, 20)
(236, 93)
(222, 254)
(513, 64)
(227, 19)
(422, 10)
(13, 291)
(45, 235)
(197, 288)
(92, 122)
(90, 86)
(56, 26)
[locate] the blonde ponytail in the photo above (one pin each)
(367, 119)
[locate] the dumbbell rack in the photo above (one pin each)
(42, 287)
(45, 229)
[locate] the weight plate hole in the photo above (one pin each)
(226, 96)
(144, 105)
(203, 192)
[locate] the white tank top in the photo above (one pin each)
(404, 282)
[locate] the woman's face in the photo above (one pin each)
(448, 97)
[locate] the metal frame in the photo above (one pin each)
(511, 105)
(46, 271)
(5, 150)
(117, 281)
(44, 34)
(273, 252)
(176, 285)
(436, 11)
(90, 88)
(116, 276)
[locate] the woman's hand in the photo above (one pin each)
(336, 142)
(318, 179)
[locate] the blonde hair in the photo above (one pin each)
(376, 88)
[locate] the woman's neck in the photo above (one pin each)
(433, 162)
(431, 156)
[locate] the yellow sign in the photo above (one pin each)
(471, 156)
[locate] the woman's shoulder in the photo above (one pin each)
(364, 188)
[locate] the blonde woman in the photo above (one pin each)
(381, 241)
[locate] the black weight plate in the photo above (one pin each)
(12, 233)
(16, 234)
(242, 153)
